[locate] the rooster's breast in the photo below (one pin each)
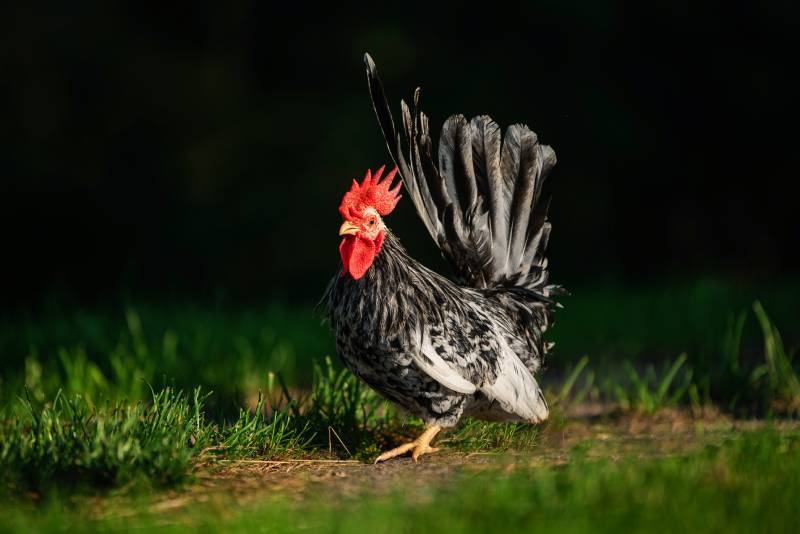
(378, 348)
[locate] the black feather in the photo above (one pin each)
(524, 183)
(479, 200)
(395, 145)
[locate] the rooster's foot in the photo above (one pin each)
(420, 446)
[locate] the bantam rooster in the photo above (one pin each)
(437, 348)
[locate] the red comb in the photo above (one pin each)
(372, 192)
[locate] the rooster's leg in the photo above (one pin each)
(420, 446)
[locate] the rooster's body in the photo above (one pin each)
(439, 349)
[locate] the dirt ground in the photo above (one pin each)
(601, 435)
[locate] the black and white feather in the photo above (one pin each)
(438, 348)
(482, 202)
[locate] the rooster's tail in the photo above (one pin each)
(482, 200)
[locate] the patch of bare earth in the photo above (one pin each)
(600, 433)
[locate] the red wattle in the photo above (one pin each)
(357, 255)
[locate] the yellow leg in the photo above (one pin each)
(420, 446)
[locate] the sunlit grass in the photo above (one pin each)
(150, 398)
(82, 438)
(69, 441)
(750, 482)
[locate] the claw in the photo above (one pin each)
(419, 451)
(418, 447)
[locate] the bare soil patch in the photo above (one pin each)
(608, 435)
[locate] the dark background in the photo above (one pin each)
(193, 152)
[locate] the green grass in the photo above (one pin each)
(767, 384)
(113, 353)
(778, 374)
(93, 405)
(646, 323)
(750, 482)
(749, 485)
(44, 445)
(77, 438)
(72, 420)
(69, 442)
(258, 434)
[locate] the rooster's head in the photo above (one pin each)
(363, 229)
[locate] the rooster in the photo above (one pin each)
(438, 348)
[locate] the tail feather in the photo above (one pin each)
(395, 145)
(521, 203)
(480, 200)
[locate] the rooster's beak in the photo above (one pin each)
(348, 228)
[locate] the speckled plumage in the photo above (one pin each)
(381, 321)
(438, 348)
